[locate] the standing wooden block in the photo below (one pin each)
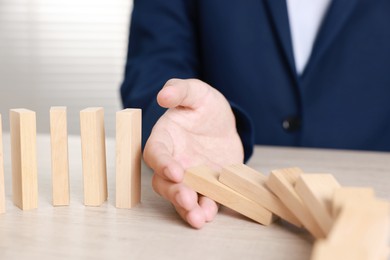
(316, 191)
(251, 184)
(205, 181)
(2, 192)
(93, 155)
(128, 158)
(59, 156)
(24, 158)
(281, 182)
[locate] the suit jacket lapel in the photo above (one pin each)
(277, 10)
(336, 17)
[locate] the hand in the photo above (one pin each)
(198, 128)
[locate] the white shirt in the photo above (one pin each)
(305, 17)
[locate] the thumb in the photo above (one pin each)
(187, 93)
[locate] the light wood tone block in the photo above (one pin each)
(24, 158)
(386, 254)
(205, 181)
(281, 182)
(362, 227)
(316, 191)
(59, 156)
(347, 194)
(93, 156)
(2, 191)
(323, 250)
(251, 184)
(365, 223)
(128, 157)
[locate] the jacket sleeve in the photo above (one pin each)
(162, 45)
(245, 129)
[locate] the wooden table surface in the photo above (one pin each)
(153, 230)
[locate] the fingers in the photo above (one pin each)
(185, 201)
(187, 93)
(177, 193)
(158, 156)
(210, 208)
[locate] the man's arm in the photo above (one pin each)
(162, 45)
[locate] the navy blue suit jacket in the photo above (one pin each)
(244, 49)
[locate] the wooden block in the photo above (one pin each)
(205, 181)
(24, 158)
(386, 253)
(59, 156)
(324, 250)
(345, 194)
(2, 192)
(93, 156)
(251, 184)
(281, 182)
(316, 191)
(366, 224)
(361, 229)
(128, 158)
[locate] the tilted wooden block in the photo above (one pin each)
(362, 227)
(281, 182)
(316, 191)
(364, 223)
(59, 156)
(24, 158)
(323, 250)
(93, 156)
(345, 194)
(205, 181)
(386, 254)
(251, 184)
(128, 158)
(2, 192)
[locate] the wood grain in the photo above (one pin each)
(316, 191)
(24, 158)
(251, 183)
(94, 156)
(282, 182)
(205, 181)
(128, 158)
(59, 156)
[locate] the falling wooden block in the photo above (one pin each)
(59, 156)
(348, 194)
(323, 250)
(93, 156)
(316, 191)
(360, 227)
(281, 182)
(364, 223)
(128, 158)
(251, 184)
(2, 192)
(24, 158)
(386, 254)
(205, 181)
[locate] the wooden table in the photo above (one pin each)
(153, 230)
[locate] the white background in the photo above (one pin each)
(62, 53)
